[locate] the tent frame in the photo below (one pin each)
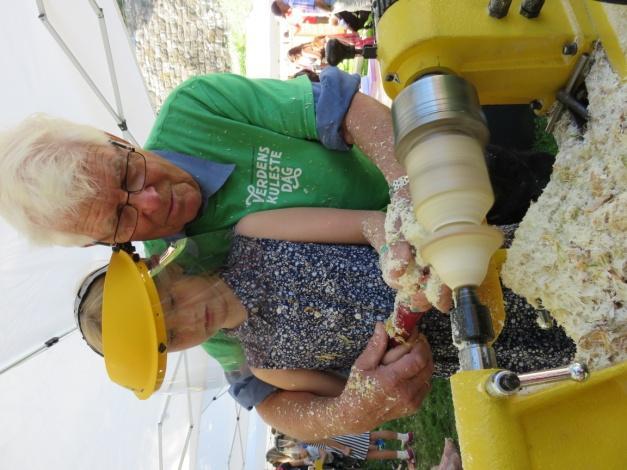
(118, 113)
(118, 116)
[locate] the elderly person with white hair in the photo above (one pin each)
(222, 147)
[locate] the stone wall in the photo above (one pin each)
(176, 39)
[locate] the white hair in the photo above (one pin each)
(44, 178)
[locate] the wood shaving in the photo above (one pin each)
(569, 252)
(415, 234)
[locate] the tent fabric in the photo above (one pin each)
(58, 408)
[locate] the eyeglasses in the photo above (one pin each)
(133, 182)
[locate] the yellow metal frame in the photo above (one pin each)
(599, 13)
(574, 426)
(511, 60)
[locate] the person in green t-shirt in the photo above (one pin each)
(223, 146)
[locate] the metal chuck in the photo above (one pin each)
(472, 330)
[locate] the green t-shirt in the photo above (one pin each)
(267, 128)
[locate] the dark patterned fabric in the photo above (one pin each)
(310, 305)
(314, 306)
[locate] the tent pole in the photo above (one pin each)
(236, 433)
(185, 446)
(239, 434)
(162, 417)
(160, 432)
(166, 405)
(215, 398)
(189, 411)
(120, 121)
(48, 344)
(111, 66)
(189, 395)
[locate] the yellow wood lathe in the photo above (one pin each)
(441, 60)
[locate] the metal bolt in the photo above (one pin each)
(531, 8)
(536, 105)
(499, 8)
(579, 372)
(508, 381)
(503, 383)
(392, 77)
(570, 48)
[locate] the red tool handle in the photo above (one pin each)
(401, 324)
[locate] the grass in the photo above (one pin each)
(236, 12)
(356, 65)
(359, 65)
(543, 141)
(239, 43)
(434, 421)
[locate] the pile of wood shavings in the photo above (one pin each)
(569, 252)
(415, 234)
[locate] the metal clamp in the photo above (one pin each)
(502, 384)
(575, 79)
(505, 383)
(575, 371)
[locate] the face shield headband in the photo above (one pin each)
(134, 339)
(80, 297)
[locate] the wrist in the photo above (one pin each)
(362, 404)
(334, 418)
(373, 229)
(349, 413)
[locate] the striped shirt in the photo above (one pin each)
(357, 443)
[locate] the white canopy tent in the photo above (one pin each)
(58, 408)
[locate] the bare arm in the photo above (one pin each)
(368, 124)
(314, 381)
(374, 394)
(316, 224)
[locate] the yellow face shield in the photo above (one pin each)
(133, 327)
